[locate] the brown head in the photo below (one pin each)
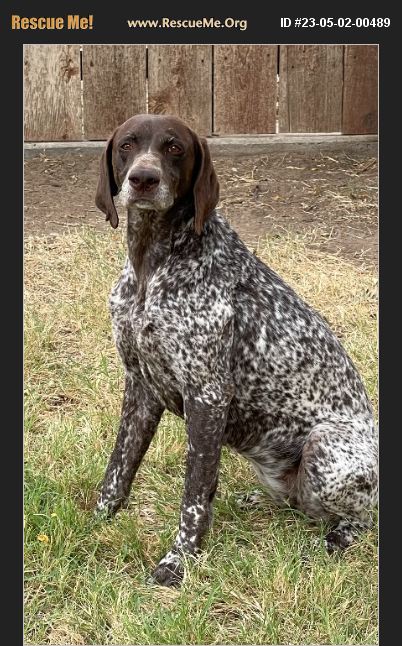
(155, 162)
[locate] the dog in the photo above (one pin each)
(209, 332)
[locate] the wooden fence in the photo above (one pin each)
(75, 92)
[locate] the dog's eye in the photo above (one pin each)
(125, 146)
(174, 149)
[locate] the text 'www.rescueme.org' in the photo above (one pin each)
(200, 23)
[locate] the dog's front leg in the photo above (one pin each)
(206, 423)
(139, 419)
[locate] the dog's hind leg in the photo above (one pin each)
(337, 478)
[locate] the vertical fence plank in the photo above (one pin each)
(310, 94)
(180, 83)
(283, 102)
(360, 90)
(114, 82)
(245, 88)
(52, 93)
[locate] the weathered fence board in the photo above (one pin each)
(180, 83)
(310, 88)
(114, 86)
(360, 90)
(52, 93)
(245, 88)
(228, 89)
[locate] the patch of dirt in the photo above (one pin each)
(332, 194)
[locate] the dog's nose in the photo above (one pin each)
(144, 179)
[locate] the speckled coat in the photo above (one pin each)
(209, 332)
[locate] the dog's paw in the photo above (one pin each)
(106, 508)
(337, 541)
(102, 511)
(251, 500)
(169, 572)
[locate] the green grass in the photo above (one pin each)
(260, 580)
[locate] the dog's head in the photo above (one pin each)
(155, 162)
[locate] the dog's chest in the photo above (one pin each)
(142, 337)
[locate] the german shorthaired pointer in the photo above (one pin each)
(209, 332)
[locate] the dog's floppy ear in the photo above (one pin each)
(107, 186)
(206, 186)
